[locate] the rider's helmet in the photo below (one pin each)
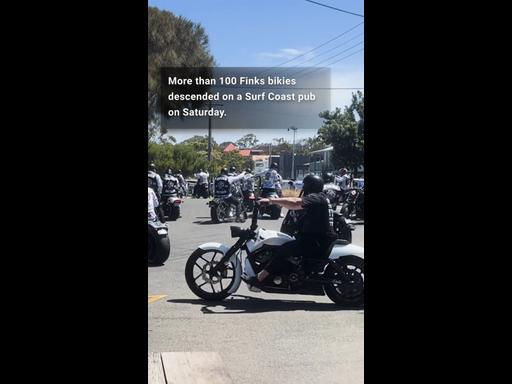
(169, 171)
(224, 171)
(179, 171)
(328, 177)
(343, 171)
(152, 167)
(273, 166)
(232, 169)
(247, 170)
(312, 184)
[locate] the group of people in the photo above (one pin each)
(159, 189)
(234, 187)
(169, 182)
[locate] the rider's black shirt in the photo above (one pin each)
(315, 219)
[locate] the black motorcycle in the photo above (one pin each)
(159, 245)
(223, 209)
(353, 206)
(201, 190)
(274, 211)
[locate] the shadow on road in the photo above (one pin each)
(247, 304)
(203, 222)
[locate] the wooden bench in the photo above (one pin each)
(186, 368)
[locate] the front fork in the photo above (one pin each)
(221, 266)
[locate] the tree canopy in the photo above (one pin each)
(341, 130)
(172, 42)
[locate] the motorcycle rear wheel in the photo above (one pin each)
(158, 250)
(350, 293)
(197, 276)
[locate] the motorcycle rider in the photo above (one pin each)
(223, 187)
(272, 179)
(247, 186)
(315, 231)
(343, 180)
(333, 196)
(154, 180)
(170, 184)
(232, 171)
(248, 182)
(182, 182)
(154, 208)
(202, 181)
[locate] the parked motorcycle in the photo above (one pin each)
(353, 206)
(214, 271)
(159, 245)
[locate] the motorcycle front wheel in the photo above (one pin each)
(201, 282)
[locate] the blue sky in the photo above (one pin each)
(269, 32)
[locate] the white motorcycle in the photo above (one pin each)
(214, 271)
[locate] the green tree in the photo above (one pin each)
(248, 141)
(340, 129)
(200, 143)
(172, 42)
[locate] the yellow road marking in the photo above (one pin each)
(153, 298)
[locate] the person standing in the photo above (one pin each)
(154, 180)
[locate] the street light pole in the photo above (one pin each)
(294, 129)
(210, 132)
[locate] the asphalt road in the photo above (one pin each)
(262, 338)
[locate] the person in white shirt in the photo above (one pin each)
(343, 180)
(154, 180)
(154, 210)
(183, 183)
(201, 188)
(271, 179)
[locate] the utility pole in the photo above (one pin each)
(210, 131)
(294, 129)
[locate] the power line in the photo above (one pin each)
(329, 58)
(337, 9)
(343, 58)
(334, 62)
(319, 46)
(331, 49)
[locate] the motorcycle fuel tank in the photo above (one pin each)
(268, 237)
